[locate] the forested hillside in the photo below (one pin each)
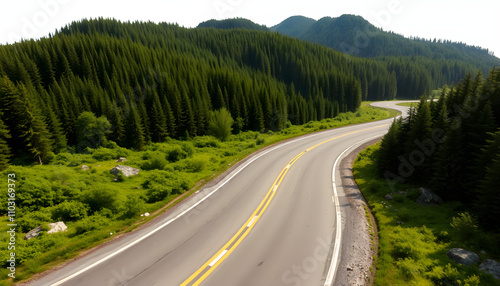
(417, 66)
(155, 81)
(357, 37)
(452, 146)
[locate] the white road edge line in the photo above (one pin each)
(180, 214)
(338, 235)
(218, 258)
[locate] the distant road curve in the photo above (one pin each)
(271, 221)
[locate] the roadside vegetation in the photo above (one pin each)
(414, 239)
(97, 206)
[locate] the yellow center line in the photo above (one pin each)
(210, 265)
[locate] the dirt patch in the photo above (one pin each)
(359, 246)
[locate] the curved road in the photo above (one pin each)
(271, 221)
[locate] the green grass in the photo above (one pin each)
(101, 209)
(414, 239)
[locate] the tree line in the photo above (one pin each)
(452, 145)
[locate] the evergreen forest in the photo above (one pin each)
(143, 82)
(451, 145)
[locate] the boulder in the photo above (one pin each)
(121, 160)
(125, 170)
(33, 233)
(57, 227)
(85, 168)
(463, 256)
(388, 197)
(491, 267)
(428, 197)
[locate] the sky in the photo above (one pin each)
(471, 22)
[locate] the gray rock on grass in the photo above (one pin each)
(125, 170)
(428, 197)
(492, 267)
(463, 256)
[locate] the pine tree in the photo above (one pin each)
(5, 153)
(135, 132)
(487, 192)
(390, 149)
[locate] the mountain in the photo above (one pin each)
(236, 23)
(355, 36)
(294, 26)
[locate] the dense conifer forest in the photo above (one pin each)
(152, 81)
(452, 145)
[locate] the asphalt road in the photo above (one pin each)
(271, 221)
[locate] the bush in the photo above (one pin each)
(157, 163)
(465, 225)
(99, 198)
(134, 205)
(69, 211)
(37, 193)
(91, 223)
(206, 141)
(176, 154)
(188, 148)
(103, 154)
(159, 185)
(220, 124)
(260, 141)
(195, 165)
(32, 220)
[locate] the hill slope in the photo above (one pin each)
(355, 36)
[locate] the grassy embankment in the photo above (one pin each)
(414, 239)
(96, 209)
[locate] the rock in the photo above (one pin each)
(492, 267)
(57, 227)
(388, 197)
(121, 160)
(85, 168)
(125, 170)
(463, 256)
(428, 197)
(33, 233)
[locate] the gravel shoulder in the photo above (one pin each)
(357, 249)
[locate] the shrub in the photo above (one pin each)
(157, 163)
(176, 154)
(37, 193)
(465, 225)
(206, 141)
(134, 205)
(220, 124)
(91, 223)
(409, 268)
(195, 165)
(99, 198)
(260, 141)
(69, 211)
(188, 148)
(103, 154)
(157, 186)
(32, 220)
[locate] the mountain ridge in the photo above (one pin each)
(355, 36)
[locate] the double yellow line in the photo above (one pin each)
(204, 271)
